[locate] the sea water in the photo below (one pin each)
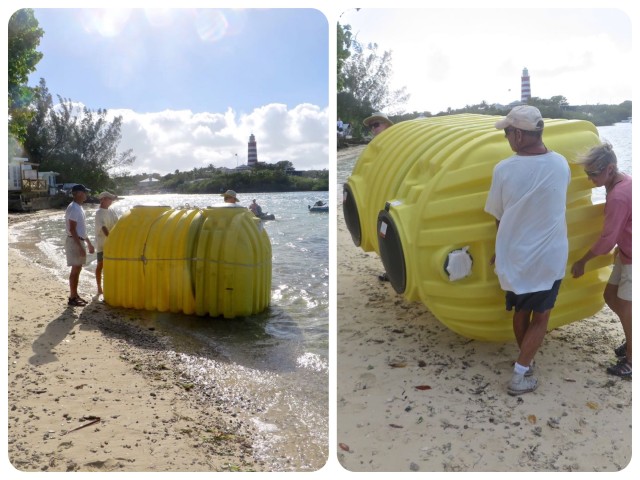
(619, 136)
(279, 358)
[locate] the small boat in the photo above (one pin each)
(319, 207)
(266, 216)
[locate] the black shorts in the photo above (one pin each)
(536, 301)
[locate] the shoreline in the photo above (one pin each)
(68, 366)
(415, 396)
(90, 362)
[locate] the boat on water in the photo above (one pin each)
(266, 216)
(319, 207)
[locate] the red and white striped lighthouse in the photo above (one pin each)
(525, 88)
(252, 155)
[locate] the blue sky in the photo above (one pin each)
(205, 60)
(193, 84)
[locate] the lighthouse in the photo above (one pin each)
(525, 89)
(252, 155)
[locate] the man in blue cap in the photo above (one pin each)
(74, 246)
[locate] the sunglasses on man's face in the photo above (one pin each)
(593, 173)
(375, 125)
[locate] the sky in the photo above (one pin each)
(456, 57)
(193, 84)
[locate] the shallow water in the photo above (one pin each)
(278, 359)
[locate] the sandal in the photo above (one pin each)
(621, 351)
(621, 369)
(77, 302)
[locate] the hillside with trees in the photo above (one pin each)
(264, 177)
(554, 107)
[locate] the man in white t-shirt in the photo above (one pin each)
(105, 221)
(528, 199)
(76, 229)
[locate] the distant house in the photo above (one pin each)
(148, 182)
(28, 188)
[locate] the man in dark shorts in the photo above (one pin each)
(528, 199)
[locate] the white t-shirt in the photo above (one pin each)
(107, 218)
(75, 212)
(528, 196)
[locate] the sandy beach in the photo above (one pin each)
(415, 396)
(91, 391)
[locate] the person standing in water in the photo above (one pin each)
(105, 220)
(74, 247)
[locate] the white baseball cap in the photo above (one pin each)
(522, 117)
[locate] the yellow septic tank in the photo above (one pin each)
(214, 261)
(416, 197)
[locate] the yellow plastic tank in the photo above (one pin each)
(214, 261)
(419, 195)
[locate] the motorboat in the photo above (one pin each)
(319, 207)
(266, 216)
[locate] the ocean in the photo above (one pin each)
(279, 357)
(619, 136)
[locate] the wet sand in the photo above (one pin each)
(91, 391)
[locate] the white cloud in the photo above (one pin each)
(182, 140)
(454, 57)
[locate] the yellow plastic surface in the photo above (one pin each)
(214, 261)
(436, 173)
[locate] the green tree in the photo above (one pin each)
(284, 165)
(80, 144)
(553, 107)
(344, 44)
(366, 76)
(24, 39)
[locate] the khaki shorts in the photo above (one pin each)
(76, 256)
(621, 276)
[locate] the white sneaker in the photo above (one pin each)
(520, 384)
(529, 372)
